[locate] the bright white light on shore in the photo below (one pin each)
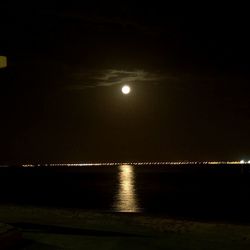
(242, 162)
(126, 89)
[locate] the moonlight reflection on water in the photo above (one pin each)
(126, 198)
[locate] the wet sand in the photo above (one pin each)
(51, 228)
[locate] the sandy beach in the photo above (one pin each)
(51, 228)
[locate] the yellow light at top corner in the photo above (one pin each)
(3, 61)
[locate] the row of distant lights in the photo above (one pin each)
(244, 162)
(135, 163)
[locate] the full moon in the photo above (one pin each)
(126, 89)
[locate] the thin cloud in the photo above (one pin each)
(112, 77)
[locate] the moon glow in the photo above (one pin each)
(126, 89)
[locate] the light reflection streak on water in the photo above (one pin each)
(126, 198)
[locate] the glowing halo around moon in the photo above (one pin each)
(126, 89)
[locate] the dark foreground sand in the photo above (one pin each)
(50, 228)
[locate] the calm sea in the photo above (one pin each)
(202, 192)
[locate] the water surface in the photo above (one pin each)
(208, 192)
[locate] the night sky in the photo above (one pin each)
(60, 98)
